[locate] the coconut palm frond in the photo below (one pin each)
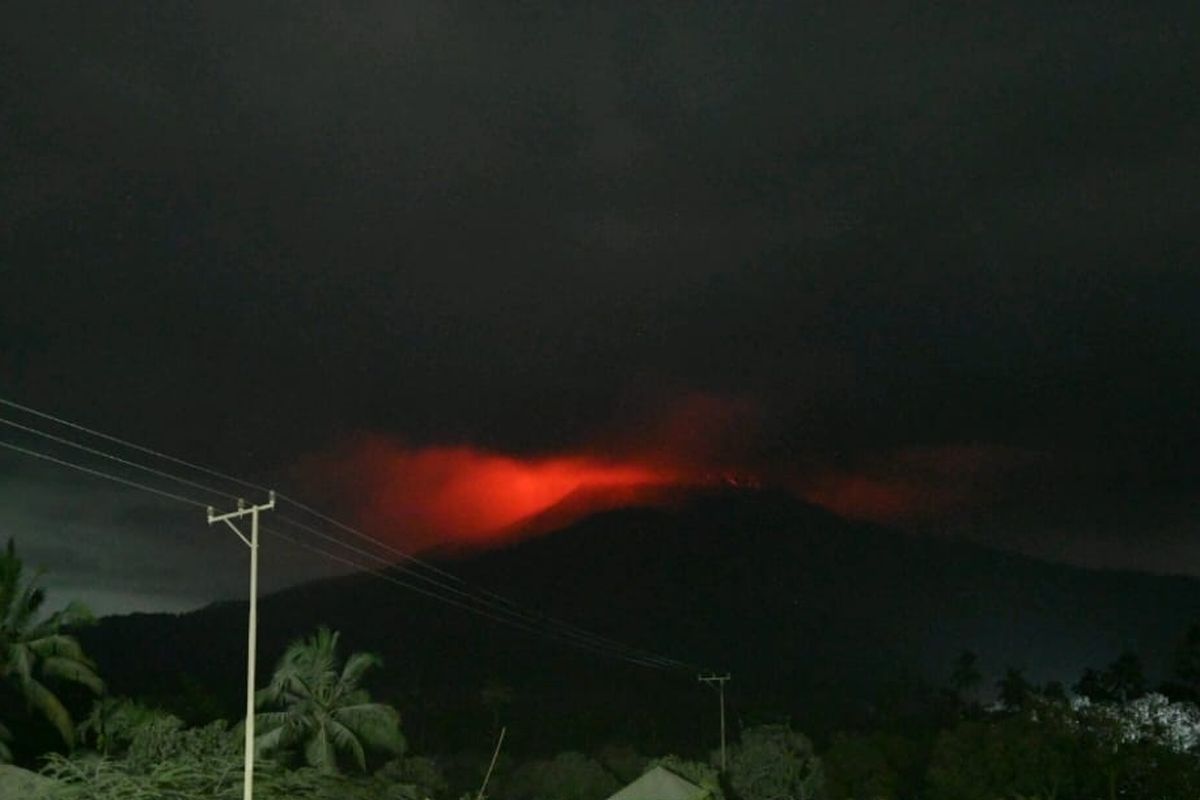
(58, 644)
(69, 669)
(52, 709)
(376, 724)
(317, 699)
(347, 740)
(18, 665)
(357, 665)
(320, 753)
(276, 738)
(33, 648)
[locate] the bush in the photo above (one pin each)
(862, 768)
(1050, 750)
(773, 761)
(568, 776)
(164, 761)
(419, 777)
(623, 762)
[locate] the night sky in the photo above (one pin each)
(936, 266)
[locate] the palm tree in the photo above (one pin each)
(322, 708)
(33, 650)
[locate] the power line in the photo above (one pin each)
(480, 594)
(464, 606)
(105, 475)
(216, 473)
(477, 593)
(515, 615)
(488, 599)
(356, 565)
(117, 459)
(140, 448)
(203, 487)
(512, 611)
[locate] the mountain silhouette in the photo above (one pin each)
(818, 619)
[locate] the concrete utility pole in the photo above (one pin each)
(252, 543)
(720, 681)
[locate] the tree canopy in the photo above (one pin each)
(319, 707)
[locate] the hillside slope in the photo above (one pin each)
(815, 617)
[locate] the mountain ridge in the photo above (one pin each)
(815, 616)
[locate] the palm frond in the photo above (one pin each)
(274, 739)
(357, 666)
(19, 664)
(57, 644)
(264, 697)
(320, 753)
(76, 613)
(270, 720)
(344, 739)
(376, 724)
(368, 714)
(52, 709)
(33, 648)
(317, 701)
(29, 601)
(68, 669)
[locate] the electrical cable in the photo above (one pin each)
(516, 616)
(523, 616)
(100, 474)
(497, 598)
(480, 594)
(472, 609)
(140, 448)
(117, 459)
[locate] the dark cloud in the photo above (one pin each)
(242, 233)
(118, 549)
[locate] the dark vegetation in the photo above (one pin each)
(420, 721)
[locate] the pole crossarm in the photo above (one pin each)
(712, 677)
(252, 629)
(242, 511)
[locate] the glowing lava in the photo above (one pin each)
(462, 493)
(443, 494)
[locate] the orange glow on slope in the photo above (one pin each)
(466, 494)
(419, 497)
(423, 496)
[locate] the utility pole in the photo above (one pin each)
(720, 681)
(252, 543)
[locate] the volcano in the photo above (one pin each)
(818, 619)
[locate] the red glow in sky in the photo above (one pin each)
(422, 496)
(865, 497)
(919, 484)
(466, 494)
